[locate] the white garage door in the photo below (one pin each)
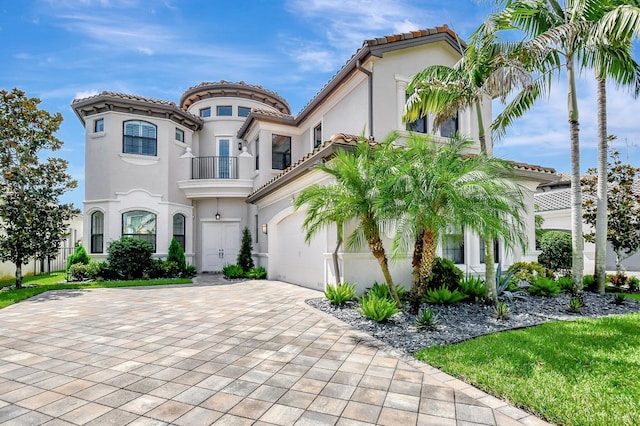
(291, 259)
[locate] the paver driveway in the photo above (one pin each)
(246, 353)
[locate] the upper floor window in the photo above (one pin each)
(317, 135)
(140, 224)
(224, 111)
(179, 229)
(97, 232)
(453, 248)
(280, 152)
(421, 125)
(205, 112)
(179, 135)
(450, 127)
(243, 111)
(257, 153)
(139, 138)
(98, 125)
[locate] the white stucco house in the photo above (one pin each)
(553, 204)
(231, 155)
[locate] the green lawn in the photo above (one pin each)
(56, 281)
(582, 372)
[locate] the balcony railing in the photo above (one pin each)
(214, 168)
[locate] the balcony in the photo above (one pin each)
(219, 177)
(214, 168)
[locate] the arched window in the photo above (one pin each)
(179, 229)
(140, 138)
(97, 232)
(140, 224)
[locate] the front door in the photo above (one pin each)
(220, 242)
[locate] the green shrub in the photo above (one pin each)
(79, 256)
(98, 270)
(443, 296)
(618, 280)
(444, 273)
(634, 283)
(340, 293)
(233, 271)
(257, 273)
(501, 311)
(377, 308)
(427, 319)
(575, 305)
(619, 299)
(129, 257)
(189, 271)
(565, 283)
(528, 272)
(474, 288)
(382, 290)
(176, 254)
(555, 249)
(244, 256)
(589, 282)
(545, 287)
(77, 272)
(155, 269)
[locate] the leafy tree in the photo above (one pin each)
(176, 254)
(555, 247)
(623, 227)
(432, 187)
(244, 257)
(353, 196)
(32, 219)
(129, 257)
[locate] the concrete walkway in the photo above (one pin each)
(242, 353)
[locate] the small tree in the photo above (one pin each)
(244, 257)
(129, 257)
(32, 220)
(79, 256)
(556, 251)
(176, 254)
(623, 223)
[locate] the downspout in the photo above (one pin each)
(369, 74)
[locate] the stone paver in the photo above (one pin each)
(242, 353)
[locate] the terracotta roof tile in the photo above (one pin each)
(126, 96)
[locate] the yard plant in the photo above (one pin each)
(377, 308)
(340, 293)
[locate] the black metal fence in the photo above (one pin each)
(214, 168)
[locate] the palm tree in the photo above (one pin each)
(351, 197)
(625, 71)
(436, 187)
(483, 73)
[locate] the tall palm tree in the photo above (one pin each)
(436, 187)
(483, 73)
(352, 196)
(558, 39)
(625, 71)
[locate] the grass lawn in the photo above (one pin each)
(582, 372)
(56, 281)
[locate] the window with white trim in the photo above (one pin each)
(140, 224)
(140, 137)
(317, 135)
(450, 127)
(453, 248)
(179, 233)
(280, 152)
(243, 111)
(98, 125)
(205, 112)
(224, 110)
(97, 232)
(179, 135)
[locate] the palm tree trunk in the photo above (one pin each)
(490, 270)
(577, 265)
(377, 248)
(417, 258)
(601, 212)
(336, 265)
(481, 134)
(426, 262)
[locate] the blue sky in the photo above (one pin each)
(58, 50)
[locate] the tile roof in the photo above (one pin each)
(532, 167)
(560, 199)
(125, 96)
(411, 35)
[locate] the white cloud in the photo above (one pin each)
(85, 94)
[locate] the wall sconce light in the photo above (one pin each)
(264, 228)
(217, 212)
(239, 146)
(217, 216)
